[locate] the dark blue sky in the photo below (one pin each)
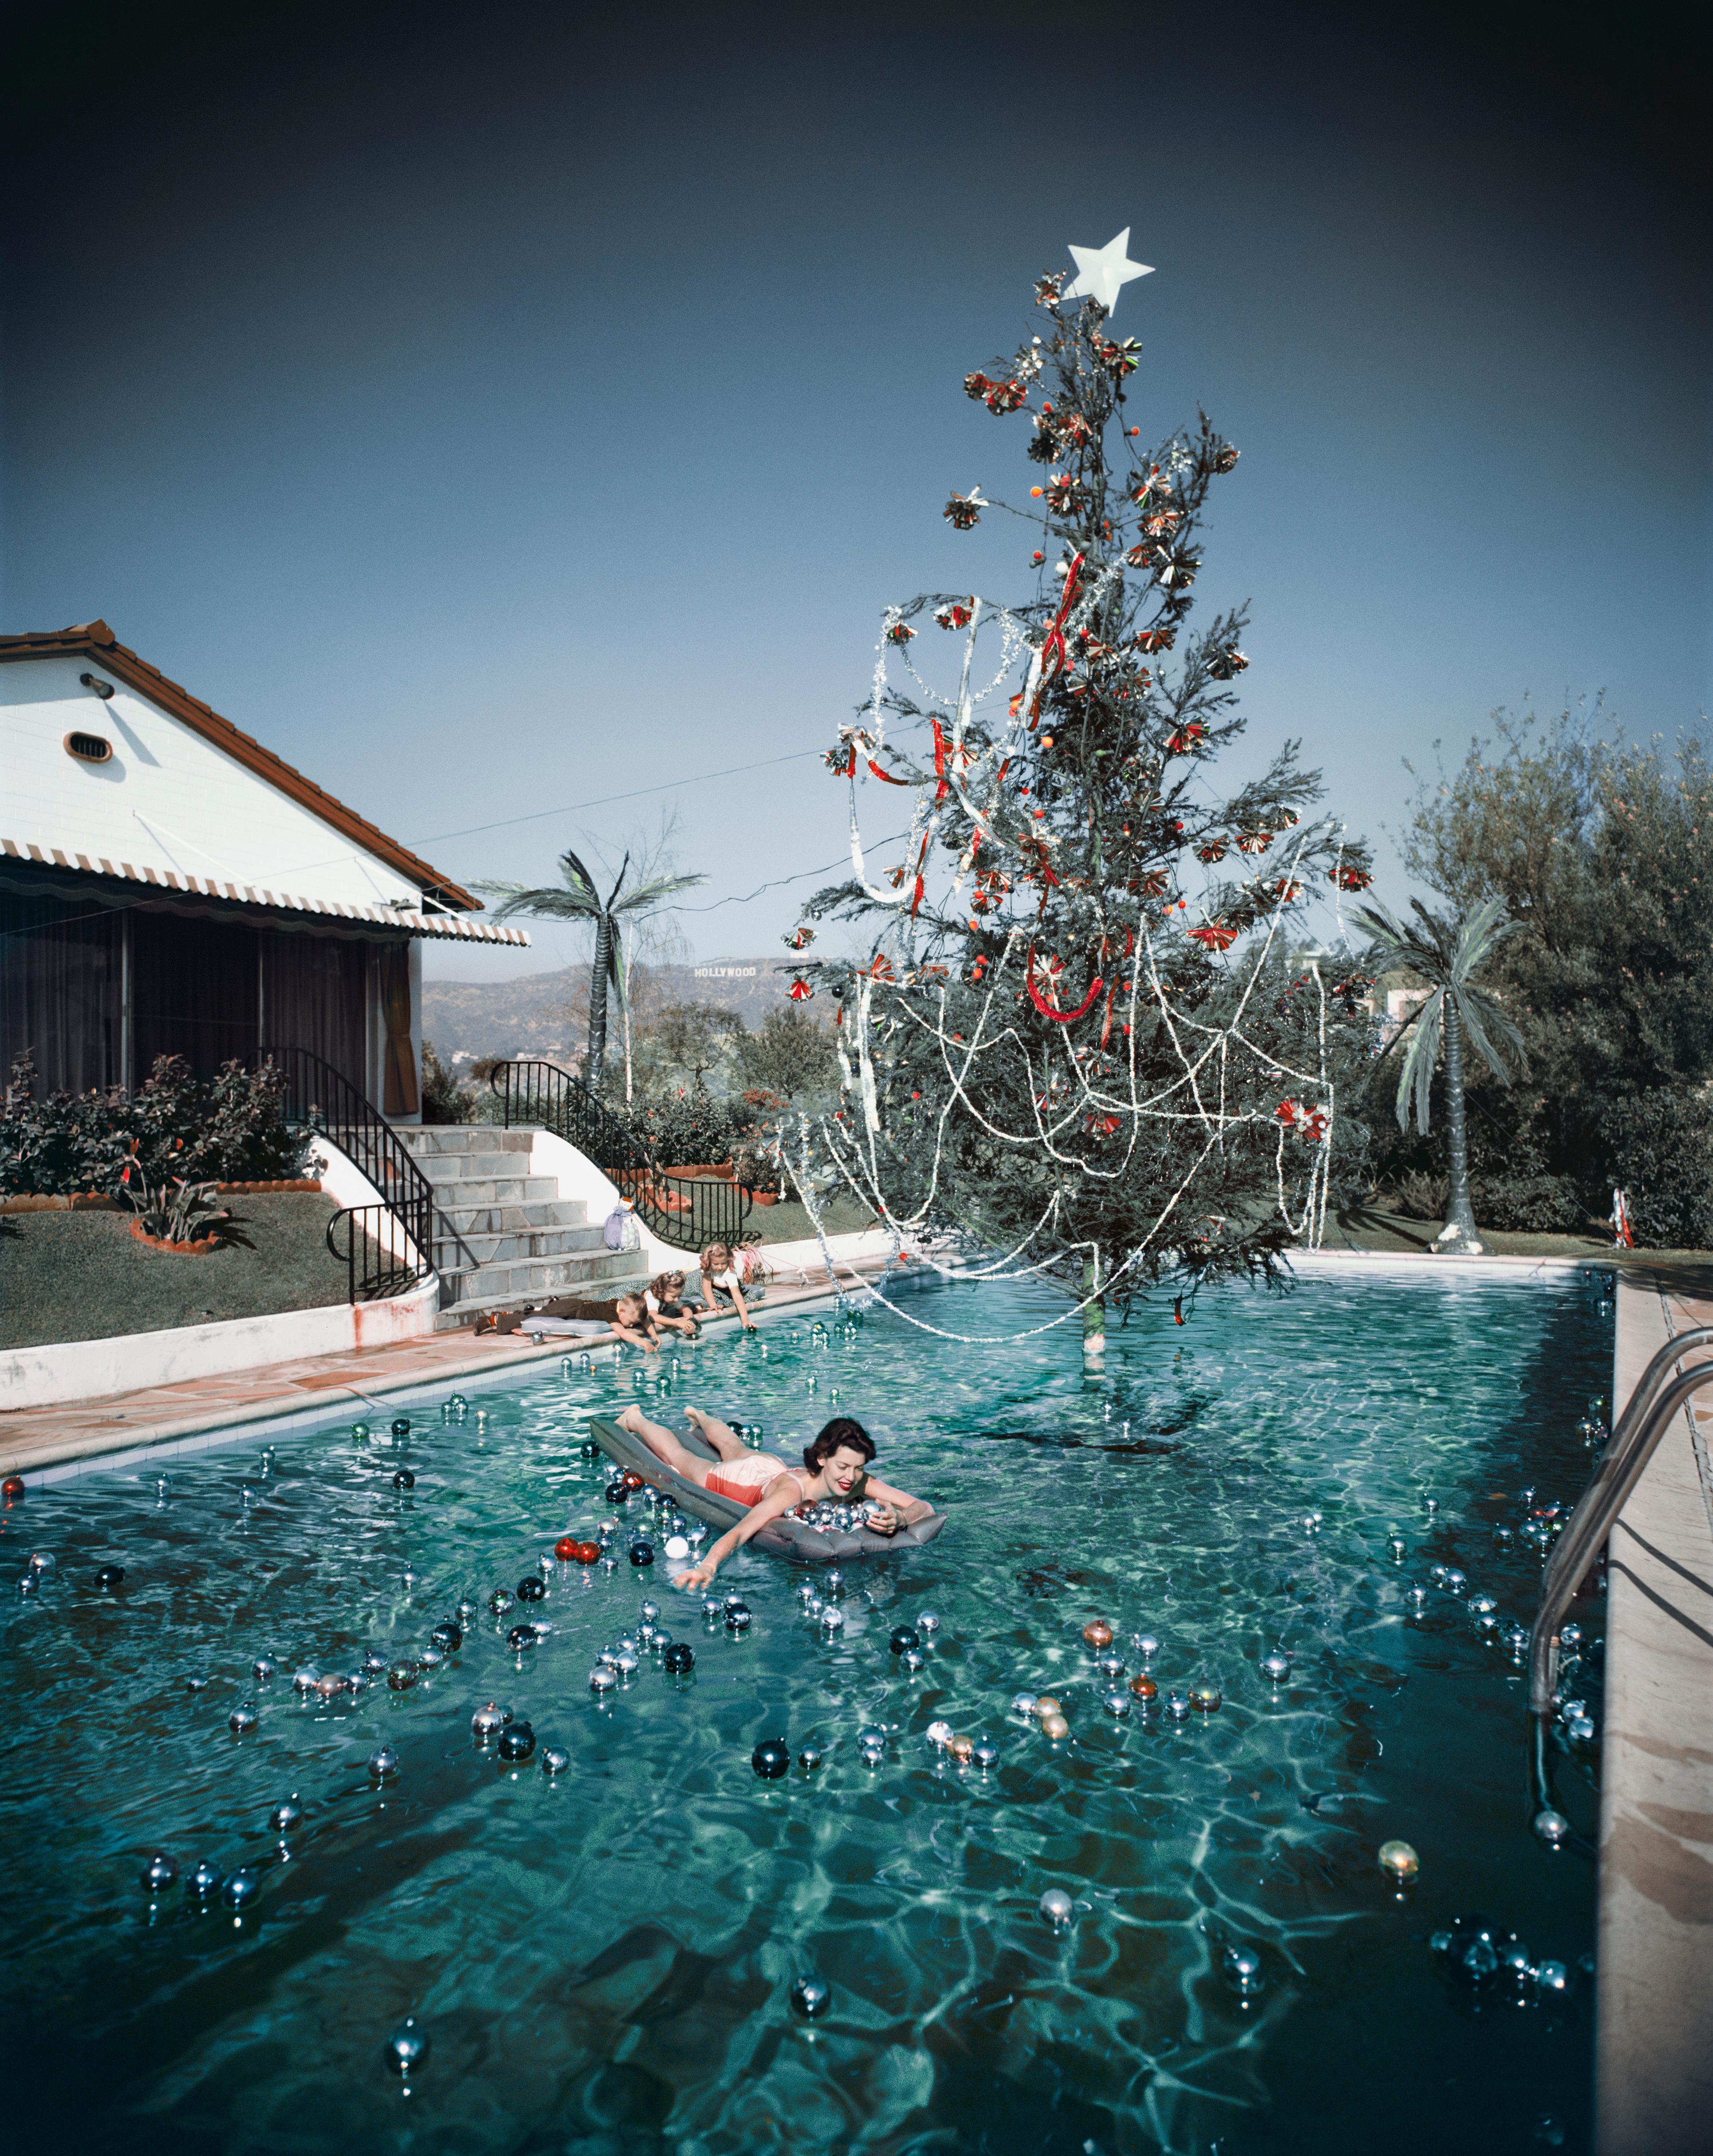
(492, 410)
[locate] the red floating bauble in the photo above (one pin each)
(1143, 1686)
(633, 1481)
(565, 1549)
(11, 1489)
(588, 1553)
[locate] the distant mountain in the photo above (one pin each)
(542, 1013)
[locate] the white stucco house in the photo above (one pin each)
(169, 886)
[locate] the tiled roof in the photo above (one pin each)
(449, 925)
(99, 642)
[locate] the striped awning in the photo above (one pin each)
(455, 927)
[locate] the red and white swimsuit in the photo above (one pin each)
(743, 1481)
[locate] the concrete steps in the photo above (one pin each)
(504, 1236)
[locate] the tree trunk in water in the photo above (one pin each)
(1460, 1231)
(1094, 1308)
(597, 1004)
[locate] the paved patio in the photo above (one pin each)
(1655, 2095)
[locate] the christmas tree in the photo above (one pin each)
(1082, 1037)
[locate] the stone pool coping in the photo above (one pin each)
(1653, 2085)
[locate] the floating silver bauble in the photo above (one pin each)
(1436, 1574)
(554, 1761)
(1111, 1667)
(1178, 1706)
(712, 1611)
(204, 1882)
(805, 1592)
(872, 1737)
(833, 1579)
(1580, 1728)
(304, 1680)
(159, 1873)
(1241, 1967)
(1146, 1645)
(1417, 1596)
(429, 1658)
(1482, 1604)
(912, 1659)
(1455, 1582)
(940, 1734)
(1117, 1705)
(1396, 1549)
(1570, 1637)
(985, 1754)
(1551, 1979)
(488, 1721)
(263, 1667)
(814, 1605)
(1056, 1906)
(927, 1623)
(1514, 1965)
(401, 1676)
(811, 1995)
(1024, 1704)
(41, 1563)
(284, 1817)
(1276, 1666)
(832, 1618)
(197, 1680)
(603, 1677)
(383, 1763)
(626, 1665)
(648, 1612)
(244, 1716)
(241, 1889)
(1517, 1638)
(406, 2049)
(374, 1662)
(809, 1759)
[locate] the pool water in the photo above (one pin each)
(602, 1959)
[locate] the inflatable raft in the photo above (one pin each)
(784, 1538)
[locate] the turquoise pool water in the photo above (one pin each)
(602, 1959)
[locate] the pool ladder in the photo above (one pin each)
(1652, 1407)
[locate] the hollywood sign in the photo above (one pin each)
(726, 972)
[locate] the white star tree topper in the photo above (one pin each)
(1103, 271)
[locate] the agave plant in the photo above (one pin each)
(577, 899)
(1447, 954)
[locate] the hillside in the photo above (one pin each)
(533, 1016)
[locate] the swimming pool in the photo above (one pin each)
(602, 1958)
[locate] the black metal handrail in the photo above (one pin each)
(688, 1211)
(325, 1099)
(378, 1258)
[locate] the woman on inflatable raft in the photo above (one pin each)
(835, 1469)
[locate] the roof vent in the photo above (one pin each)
(88, 748)
(103, 690)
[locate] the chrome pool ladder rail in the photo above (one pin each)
(1652, 1407)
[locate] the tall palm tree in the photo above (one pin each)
(577, 899)
(1447, 954)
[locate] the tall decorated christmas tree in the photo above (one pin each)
(1083, 1037)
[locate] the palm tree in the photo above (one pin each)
(1447, 954)
(578, 899)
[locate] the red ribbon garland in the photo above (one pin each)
(1052, 644)
(878, 774)
(1051, 1010)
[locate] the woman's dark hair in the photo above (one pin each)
(841, 1430)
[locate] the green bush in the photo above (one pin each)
(1661, 1148)
(229, 1128)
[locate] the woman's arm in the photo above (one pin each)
(908, 1509)
(781, 1494)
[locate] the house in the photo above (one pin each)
(170, 887)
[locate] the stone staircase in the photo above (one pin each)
(503, 1236)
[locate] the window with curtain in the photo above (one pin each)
(61, 973)
(314, 995)
(193, 990)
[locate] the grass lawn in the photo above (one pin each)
(789, 1223)
(80, 1276)
(1370, 1228)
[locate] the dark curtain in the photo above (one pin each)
(193, 991)
(60, 981)
(314, 995)
(401, 1097)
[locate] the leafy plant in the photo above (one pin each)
(230, 1128)
(444, 1099)
(181, 1212)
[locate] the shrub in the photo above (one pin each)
(444, 1099)
(230, 1128)
(1661, 1146)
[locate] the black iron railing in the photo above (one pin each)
(688, 1211)
(379, 1256)
(326, 1099)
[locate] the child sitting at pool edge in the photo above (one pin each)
(721, 1280)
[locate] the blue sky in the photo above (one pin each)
(493, 412)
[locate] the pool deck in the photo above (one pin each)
(160, 1420)
(1654, 2041)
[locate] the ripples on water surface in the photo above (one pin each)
(603, 1960)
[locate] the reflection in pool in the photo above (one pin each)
(601, 1959)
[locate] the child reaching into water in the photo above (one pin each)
(664, 1296)
(721, 1280)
